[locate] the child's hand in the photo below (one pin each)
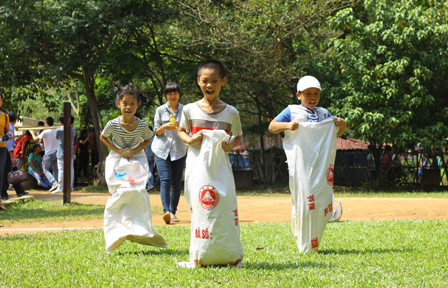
(196, 139)
(293, 125)
(126, 153)
(226, 146)
(339, 122)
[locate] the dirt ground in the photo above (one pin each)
(253, 209)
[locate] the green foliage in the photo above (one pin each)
(352, 254)
(393, 71)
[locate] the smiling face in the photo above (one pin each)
(309, 97)
(128, 105)
(173, 98)
(1, 101)
(210, 83)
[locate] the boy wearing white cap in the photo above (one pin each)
(308, 92)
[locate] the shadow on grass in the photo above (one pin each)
(359, 251)
(162, 251)
(19, 211)
(282, 266)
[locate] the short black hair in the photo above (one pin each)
(61, 118)
(388, 148)
(40, 123)
(83, 131)
(213, 64)
(27, 133)
(12, 116)
(172, 87)
(50, 121)
(34, 147)
(130, 90)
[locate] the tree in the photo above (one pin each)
(50, 43)
(393, 72)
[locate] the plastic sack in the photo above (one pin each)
(210, 193)
(127, 215)
(310, 152)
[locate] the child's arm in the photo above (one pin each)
(139, 148)
(276, 127)
(339, 122)
(234, 141)
(194, 140)
(109, 144)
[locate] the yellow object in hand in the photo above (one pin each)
(172, 120)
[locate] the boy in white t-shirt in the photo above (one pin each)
(211, 113)
(308, 92)
(50, 161)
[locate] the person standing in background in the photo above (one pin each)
(94, 156)
(42, 146)
(84, 158)
(60, 153)
(48, 137)
(10, 161)
(170, 151)
(20, 149)
(4, 135)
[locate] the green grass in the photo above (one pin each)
(352, 254)
(95, 189)
(33, 210)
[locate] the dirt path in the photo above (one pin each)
(256, 208)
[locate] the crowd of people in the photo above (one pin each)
(40, 153)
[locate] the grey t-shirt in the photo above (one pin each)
(60, 137)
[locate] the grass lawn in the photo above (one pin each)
(362, 254)
(33, 210)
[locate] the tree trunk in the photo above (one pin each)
(89, 85)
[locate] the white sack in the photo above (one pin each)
(310, 152)
(127, 215)
(210, 193)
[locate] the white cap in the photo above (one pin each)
(308, 82)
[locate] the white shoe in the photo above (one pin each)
(337, 214)
(58, 191)
(174, 218)
(54, 187)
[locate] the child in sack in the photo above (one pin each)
(210, 188)
(298, 149)
(127, 215)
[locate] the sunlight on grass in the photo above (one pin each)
(352, 254)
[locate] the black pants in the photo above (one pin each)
(17, 187)
(83, 163)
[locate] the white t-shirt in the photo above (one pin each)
(50, 141)
(194, 119)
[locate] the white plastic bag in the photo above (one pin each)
(310, 152)
(210, 193)
(127, 215)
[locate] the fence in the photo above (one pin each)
(351, 167)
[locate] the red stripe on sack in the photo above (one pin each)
(195, 129)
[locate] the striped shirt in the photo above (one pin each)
(195, 119)
(122, 138)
